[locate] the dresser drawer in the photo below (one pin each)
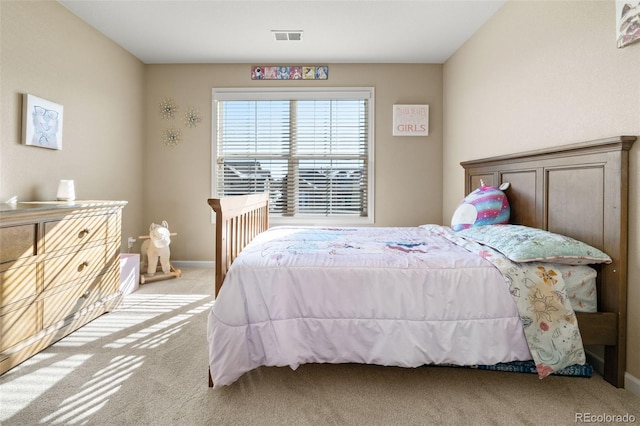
(18, 284)
(74, 266)
(18, 325)
(17, 242)
(62, 304)
(71, 232)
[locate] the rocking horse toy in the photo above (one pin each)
(155, 253)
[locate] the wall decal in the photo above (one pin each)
(192, 117)
(172, 137)
(168, 109)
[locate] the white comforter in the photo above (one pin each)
(389, 296)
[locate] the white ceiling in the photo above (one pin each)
(240, 31)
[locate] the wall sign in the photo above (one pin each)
(410, 120)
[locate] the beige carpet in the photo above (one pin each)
(146, 364)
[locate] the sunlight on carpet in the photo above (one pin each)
(135, 325)
(95, 393)
(18, 394)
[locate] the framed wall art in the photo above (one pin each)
(627, 22)
(41, 122)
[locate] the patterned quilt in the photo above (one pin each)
(540, 294)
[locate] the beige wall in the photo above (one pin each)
(541, 74)
(112, 127)
(50, 53)
(178, 179)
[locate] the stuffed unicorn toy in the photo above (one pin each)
(157, 246)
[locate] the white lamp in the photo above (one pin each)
(66, 190)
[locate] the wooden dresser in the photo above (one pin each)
(59, 269)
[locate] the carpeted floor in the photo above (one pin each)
(146, 364)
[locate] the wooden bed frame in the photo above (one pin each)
(578, 190)
(238, 220)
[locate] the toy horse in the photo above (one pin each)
(154, 249)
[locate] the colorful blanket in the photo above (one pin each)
(549, 322)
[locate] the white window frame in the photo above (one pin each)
(270, 93)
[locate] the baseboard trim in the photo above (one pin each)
(632, 384)
(194, 264)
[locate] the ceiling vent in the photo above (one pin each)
(287, 35)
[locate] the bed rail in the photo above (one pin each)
(239, 218)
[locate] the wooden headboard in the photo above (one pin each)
(581, 191)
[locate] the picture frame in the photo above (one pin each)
(411, 120)
(627, 22)
(41, 122)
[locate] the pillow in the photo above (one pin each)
(580, 282)
(487, 205)
(524, 244)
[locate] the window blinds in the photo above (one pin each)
(310, 150)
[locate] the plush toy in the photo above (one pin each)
(157, 247)
(487, 205)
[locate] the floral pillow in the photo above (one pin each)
(524, 244)
(487, 205)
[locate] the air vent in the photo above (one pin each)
(281, 35)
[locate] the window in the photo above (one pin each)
(310, 148)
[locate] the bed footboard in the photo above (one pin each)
(238, 219)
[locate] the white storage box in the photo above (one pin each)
(129, 272)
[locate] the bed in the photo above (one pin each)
(577, 191)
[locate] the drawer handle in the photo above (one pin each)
(84, 232)
(83, 265)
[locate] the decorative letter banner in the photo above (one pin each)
(260, 72)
